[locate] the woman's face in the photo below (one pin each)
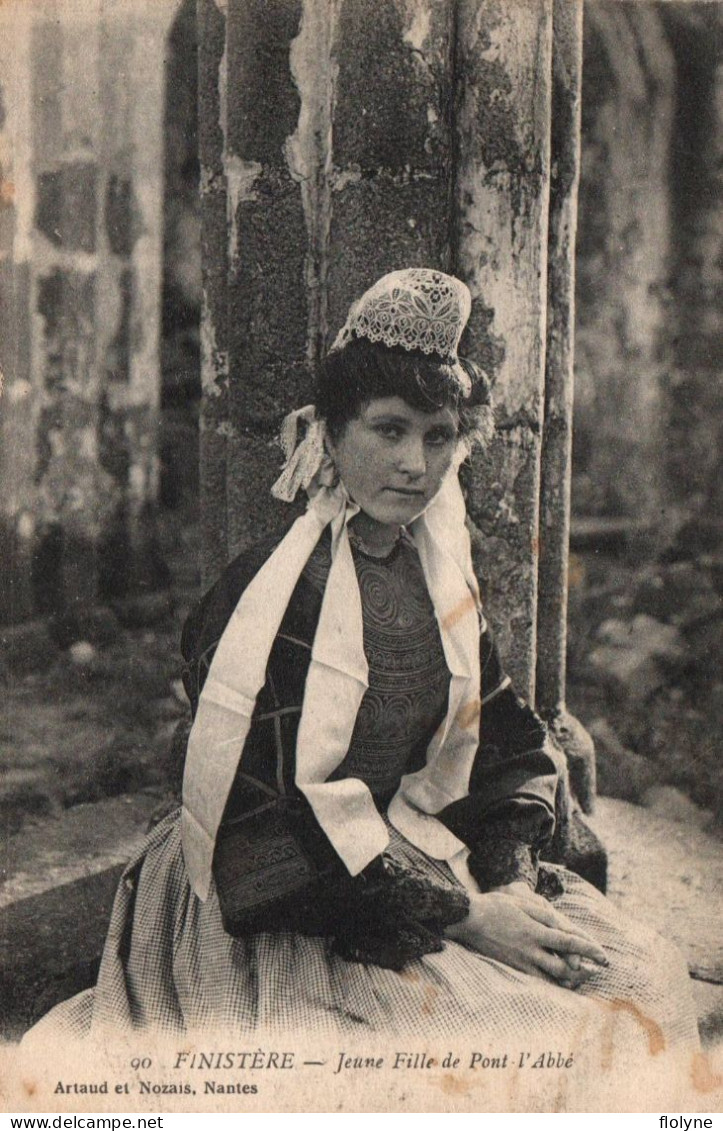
(392, 459)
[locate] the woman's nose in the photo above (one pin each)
(412, 459)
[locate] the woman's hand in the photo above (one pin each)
(520, 929)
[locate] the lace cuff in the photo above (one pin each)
(497, 859)
(394, 915)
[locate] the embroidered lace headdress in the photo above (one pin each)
(417, 309)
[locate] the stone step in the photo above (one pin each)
(58, 877)
(50, 947)
(668, 873)
(74, 843)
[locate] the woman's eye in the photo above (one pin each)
(439, 438)
(389, 431)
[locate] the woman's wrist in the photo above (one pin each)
(459, 931)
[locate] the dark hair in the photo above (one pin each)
(359, 372)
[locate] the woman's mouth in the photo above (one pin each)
(408, 492)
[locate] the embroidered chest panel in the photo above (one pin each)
(408, 676)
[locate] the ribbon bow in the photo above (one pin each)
(305, 458)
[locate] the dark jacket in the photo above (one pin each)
(508, 815)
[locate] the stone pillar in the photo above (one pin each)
(693, 389)
(393, 145)
(212, 71)
(556, 457)
(18, 407)
(623, 260)
(268, 300)
(133, 219)
(557, 431)
(76, 495)
(86, 117)
(503, 71)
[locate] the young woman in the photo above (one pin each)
(365, 798)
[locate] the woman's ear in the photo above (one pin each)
(327, 475)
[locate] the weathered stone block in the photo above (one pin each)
(66, 301)
(144, 610)
(629, 672)
(620, 772)
(382, 223)
(634, 656)
(79, 206)
(251, 511)
(642, 632)
(263, 102)
(394, 87)
(579, 751)
(66, 206)
(119, 217)
(46, 45)
(49, 205)
(27, 647)
(269, 327)
(53, 944)
(118, 354)
(666, 592)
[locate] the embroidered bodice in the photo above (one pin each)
(408, 675)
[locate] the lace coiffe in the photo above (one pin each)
(417, 309)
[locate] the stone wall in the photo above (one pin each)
(81, 233)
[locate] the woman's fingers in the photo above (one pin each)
(561, 935)
(556, 967)
(565, 943)
(575, 940)
(504, 928)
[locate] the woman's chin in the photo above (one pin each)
(399, 512)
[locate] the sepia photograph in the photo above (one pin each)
(360, 556)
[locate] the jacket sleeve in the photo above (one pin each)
(509, 814)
